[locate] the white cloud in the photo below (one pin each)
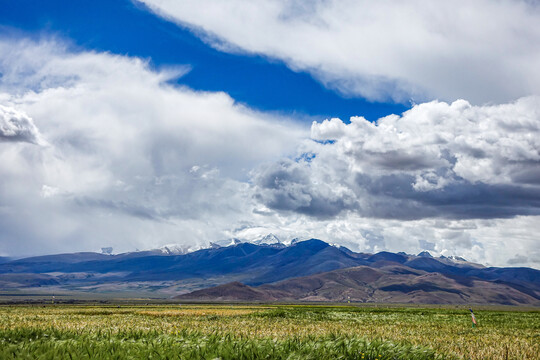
(436, 160)
(462, 179)
(134, 162)
(497, 144)
(484, 51)
(494, 242)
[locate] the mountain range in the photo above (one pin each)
(310, 270)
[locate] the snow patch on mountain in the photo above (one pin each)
(269, 239)
(178, 249)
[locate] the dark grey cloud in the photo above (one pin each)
(406, 161)
(394, 196)
(288, 185)
(390, 196)
(529, 175)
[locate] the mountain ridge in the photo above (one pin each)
(250, 264)
(365, 284)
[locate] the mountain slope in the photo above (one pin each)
(271, 262)
(393, 284)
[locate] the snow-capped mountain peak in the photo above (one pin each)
(178, 249)
(269, 239)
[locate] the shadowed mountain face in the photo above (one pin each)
(255, 264)
(327, 273)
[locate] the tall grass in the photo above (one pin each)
(265, 332)
(61, 344)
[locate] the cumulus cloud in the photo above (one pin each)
(455, 179)
(492, 242)
(436, 160)
(132, 161)
(295, 186)
(17, 126)
(484, 51)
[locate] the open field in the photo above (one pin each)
(265, 331)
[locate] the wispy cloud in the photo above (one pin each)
(483, 51)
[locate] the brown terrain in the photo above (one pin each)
(389, 284)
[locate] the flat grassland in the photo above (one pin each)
(265, 332)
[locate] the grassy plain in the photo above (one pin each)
(264, 332)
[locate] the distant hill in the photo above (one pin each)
(391, 284)
(234, 291)
(270, 262)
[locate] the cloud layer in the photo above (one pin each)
(132, 161)
(437, 160)
(109, 153)
(484, 51)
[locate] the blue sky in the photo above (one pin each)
(124, 27)
(137, 124)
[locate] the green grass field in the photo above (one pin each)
(265, 332)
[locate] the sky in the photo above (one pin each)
(390, 125)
